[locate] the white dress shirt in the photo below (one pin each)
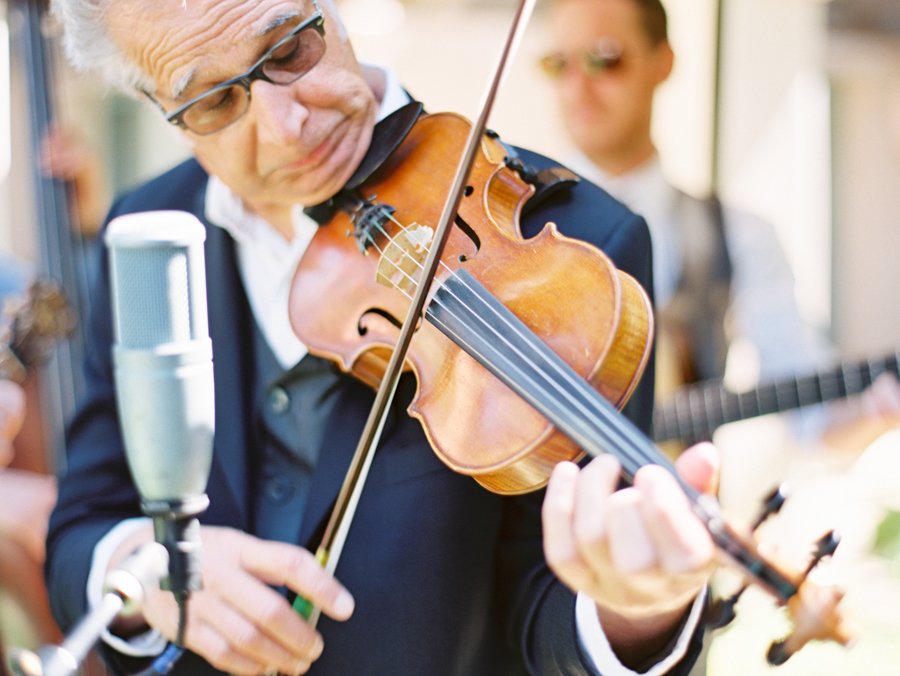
(763, 310)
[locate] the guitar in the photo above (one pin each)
(694, 412)
(34, 326)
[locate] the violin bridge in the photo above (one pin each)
(404, 256)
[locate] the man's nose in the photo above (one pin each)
(574, 83)
(279, 115)
(574, 75)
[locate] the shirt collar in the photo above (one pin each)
(630, 187)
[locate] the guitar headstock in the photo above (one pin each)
(35, 324)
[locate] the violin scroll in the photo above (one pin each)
(814, 609)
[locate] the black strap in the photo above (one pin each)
(387, 135)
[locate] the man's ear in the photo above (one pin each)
(665, 61)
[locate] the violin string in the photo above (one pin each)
(629, 451)
(628, 444)
(626, 447)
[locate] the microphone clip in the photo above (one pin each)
(176, 527)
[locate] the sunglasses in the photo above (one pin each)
(605, 55)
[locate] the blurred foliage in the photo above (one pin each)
(887, 539)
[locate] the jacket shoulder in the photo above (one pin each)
(585, 210)
(178, 188)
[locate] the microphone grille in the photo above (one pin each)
(158, 278)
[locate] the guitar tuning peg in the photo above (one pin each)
(721, 611)
(825, 546)
(772, 504)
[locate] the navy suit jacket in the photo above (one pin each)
(448, 578)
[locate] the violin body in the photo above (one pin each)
(595, 317)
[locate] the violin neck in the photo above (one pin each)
(468, 314)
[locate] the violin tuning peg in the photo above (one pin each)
(815, 613)
(778, 653)
(772, 504)
(721, 612)
(825, 546)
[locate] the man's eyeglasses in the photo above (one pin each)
(289, 59)
(605, 55)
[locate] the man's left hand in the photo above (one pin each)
(639, 552)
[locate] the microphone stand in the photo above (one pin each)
(124, 592)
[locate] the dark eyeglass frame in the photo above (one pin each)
(316, 21)
(606, 55)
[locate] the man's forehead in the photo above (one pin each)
(203, 11)
(583, 21)
(174, 41)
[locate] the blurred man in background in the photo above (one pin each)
(720, 275)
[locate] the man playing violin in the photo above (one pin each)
(438, 575)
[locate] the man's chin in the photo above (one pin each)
(590, 140)
(328, 179)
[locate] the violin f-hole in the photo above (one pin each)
(361, 327)
(471, 234)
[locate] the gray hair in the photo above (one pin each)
(89, 46)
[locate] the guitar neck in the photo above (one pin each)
(696, 411)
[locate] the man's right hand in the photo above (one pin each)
(237, 622)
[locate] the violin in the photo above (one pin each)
(526, 348)
(570, 295)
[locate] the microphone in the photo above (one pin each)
(162, 356)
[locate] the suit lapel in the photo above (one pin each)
(229, 315)
(231, 332)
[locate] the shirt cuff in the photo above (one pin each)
(600, 654)
(151, 642)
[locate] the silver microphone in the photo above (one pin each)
(162, 356)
